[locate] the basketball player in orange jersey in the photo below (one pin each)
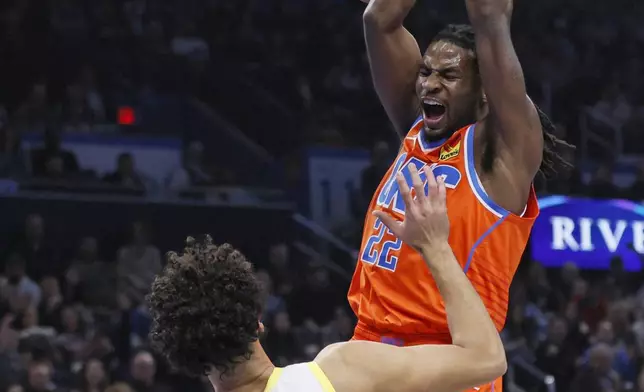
(461, 108)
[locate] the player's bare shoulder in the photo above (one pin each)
(357, 366)
(332, 361)
(329, 350)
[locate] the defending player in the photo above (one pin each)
(206, 306)
(461, 109)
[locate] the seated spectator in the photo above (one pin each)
(77, 115)
(125, 174)
(10, 361)
(192, 172)
(308, 335)
(555, 355)
(35, 246)
(40, 377)
(137, 264)
(280, 269)
(274, 303)
(52, 154)
(628, 360)
(21, 290)
(71, 338)
(100, 346)
(339, 329)
(13, 162)
(143, 371)
(280, 342)
(93, 377)
(91, 280)
(55, 170)
(598, 374)
(51, 303)
(31, 327)
(36, 113)
(140, 321)
(316, 289)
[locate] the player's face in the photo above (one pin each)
(448, 88)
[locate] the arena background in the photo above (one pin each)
(127, 125)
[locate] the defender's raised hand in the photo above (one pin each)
(426, 222)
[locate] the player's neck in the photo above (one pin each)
(249, 376)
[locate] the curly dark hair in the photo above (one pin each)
(462, 35)
(205, 308)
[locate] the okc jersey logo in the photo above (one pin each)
(448, 152)
(381, 249)
(389, 195)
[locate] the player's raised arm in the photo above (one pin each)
(476, 355)
(394, 58)
(513, 115)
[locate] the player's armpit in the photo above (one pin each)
(394, 59)
(368, 366)
(513, 114)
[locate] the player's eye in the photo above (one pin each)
(450, 77)
(424, 71)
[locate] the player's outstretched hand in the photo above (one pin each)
(426, 222)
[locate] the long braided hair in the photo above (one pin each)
(463, 35)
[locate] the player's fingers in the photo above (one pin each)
(405, 192)
(393, 225)
(432, 185)
(442, 193)
(417, 183)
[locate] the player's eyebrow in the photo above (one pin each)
(441, 70)
(447, 69)
(425, 62)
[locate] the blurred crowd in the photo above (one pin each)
(584, 329)
(288, 74)
(78, 67)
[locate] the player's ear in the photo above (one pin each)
(260, 327)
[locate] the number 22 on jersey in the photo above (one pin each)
(381, 247)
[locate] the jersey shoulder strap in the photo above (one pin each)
(300, 377)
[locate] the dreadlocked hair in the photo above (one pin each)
(462, 35)
(205, 307)
(552, 162)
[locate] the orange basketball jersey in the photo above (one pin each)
(392, 292)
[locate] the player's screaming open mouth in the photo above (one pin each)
(433, 113)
